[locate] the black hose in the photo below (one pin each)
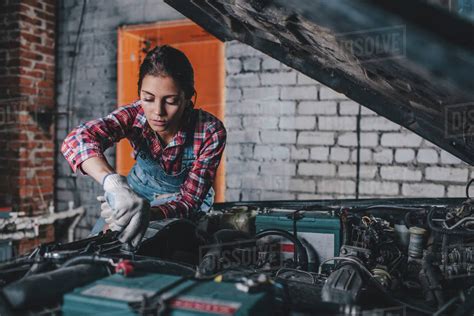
(86, 259)
(48, 288)
(467, 188)
(455, 232)
(165, 267)
(302, 255)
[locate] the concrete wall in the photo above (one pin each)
(288, 136)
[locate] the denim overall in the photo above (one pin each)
(148, 179)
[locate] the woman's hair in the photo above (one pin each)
(168, 61)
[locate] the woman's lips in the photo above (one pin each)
(158, 122)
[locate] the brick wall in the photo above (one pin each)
(27, 76)
(290, 137)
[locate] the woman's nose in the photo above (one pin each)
(160, 109)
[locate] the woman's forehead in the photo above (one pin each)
(160, 85)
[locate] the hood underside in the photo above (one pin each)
(406, 60)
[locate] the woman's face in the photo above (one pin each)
(163, 103)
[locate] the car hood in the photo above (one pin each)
(408, 61)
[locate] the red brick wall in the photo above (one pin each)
(27, 56)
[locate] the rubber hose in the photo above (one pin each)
(302, 255)
(48, 288)
(166, 267)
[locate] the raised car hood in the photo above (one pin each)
(406, 60)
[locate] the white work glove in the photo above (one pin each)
(124, 210)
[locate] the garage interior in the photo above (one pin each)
(289, 136)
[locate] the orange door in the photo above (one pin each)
(206, 54)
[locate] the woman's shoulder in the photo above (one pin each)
(132, 113)
(135, 106)
(207, 121)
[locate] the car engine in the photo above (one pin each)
(277, 258)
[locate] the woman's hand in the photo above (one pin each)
(124, 210)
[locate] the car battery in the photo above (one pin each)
(319, 232)
(116, 295)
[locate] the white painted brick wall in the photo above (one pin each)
(404, 155)
(278, 78)
(447, 158)
(339, 154)
(233, 65)
(346, 171)
(319, 153)
(456, 191)
(316, 169)
(252, 64)
(326, 93)
(271, 152)
(250, 79)
(260, 122)
(422, 190)
(348, 108)
(377, 123)
(279, 168)
(428, 156)
(315, 107)
(299, 153)
(350, 139)
(383, 156)
(278, 137)
(270, 64)
(365, 155)
(233, 94)
(376, 188)
(400, 140)
(316, 138)
(399, 173)
(305, 80)
(277, 108)
(298, 122)
(368, 171)
(260, 93)
(336, 186)
(446, 174)
(299, 93)
(337, 123)
(289, 137)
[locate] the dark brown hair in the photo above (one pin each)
(168, 61)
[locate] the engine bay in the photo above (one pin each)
(373, 257)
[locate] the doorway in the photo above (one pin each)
(206, 54)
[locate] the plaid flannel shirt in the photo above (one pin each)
(91, 139)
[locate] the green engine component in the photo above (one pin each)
(320, 233)
(119, 295)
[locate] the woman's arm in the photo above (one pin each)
(201, 176)
(92, 138)
(97, 168)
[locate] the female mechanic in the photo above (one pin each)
(177, 150)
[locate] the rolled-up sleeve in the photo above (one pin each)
(201, 176)
(92, 138)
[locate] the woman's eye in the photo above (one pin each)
(172, 101)
(147, 100)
